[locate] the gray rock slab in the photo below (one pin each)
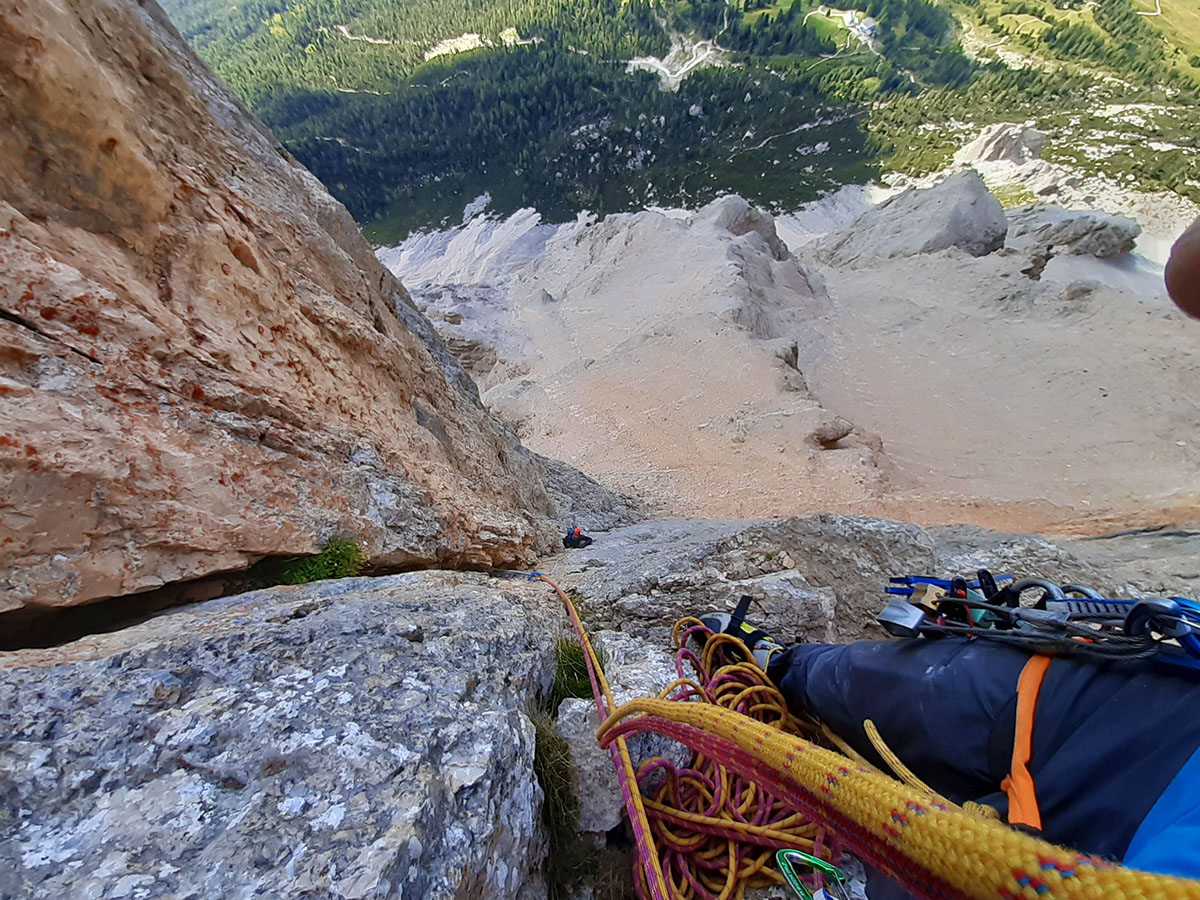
(634, 668)
(821, 578)
(358, 738)
(1078, 232)
(960, 212)
(581, 502)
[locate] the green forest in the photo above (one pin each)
(535, 102)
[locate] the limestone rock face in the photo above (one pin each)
(960, 212)
(581, 502)
(737, 216)
(634, 668)
(813, 578)
(357, 738)
(1078, 232)
(201, 360)
(1003, 142)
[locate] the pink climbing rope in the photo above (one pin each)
(703, 831)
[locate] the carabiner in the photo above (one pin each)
(835, 880)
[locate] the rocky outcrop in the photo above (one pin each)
(634, 668)
(1078, 232)
(737, 216)
(960, 212)
(813, 578)
(1003, 142)
(202, 361)
(581, 502)
(360, 738)
(1009, 153)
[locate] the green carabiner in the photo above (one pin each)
(787, 860)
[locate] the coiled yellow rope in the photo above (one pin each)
(930, 845)
(933, 847)
(717, 831)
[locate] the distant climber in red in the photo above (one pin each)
(576, 539)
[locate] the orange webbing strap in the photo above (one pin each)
(1022, 797)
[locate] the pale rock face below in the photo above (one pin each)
(664, 353)
(959, 212)
(349, 739)
(201, 361)
(1077, 232)
(676, 357)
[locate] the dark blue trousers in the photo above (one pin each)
(1108, 738)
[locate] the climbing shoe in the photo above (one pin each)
(762, 646)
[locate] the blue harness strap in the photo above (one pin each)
(902, 585)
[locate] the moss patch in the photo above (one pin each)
(1013, 195)
(571, 862)
(552, 766)
(338, 559)
(570, 675)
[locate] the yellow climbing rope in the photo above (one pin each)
(929, 844)
(704, 832)
(647, 853)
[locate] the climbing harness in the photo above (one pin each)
(1071, 620)
(1022, 797)
(815, 799)
(1067, 620)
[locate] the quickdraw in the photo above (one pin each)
(1067, 620)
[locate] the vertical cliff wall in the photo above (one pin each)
(201, 360)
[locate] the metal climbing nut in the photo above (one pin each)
(901, 619)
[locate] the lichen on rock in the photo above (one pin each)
(355, 738)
